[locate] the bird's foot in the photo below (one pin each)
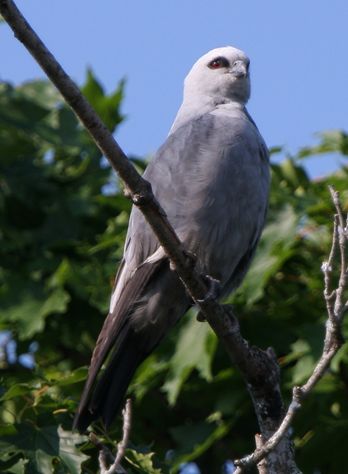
(214, 289)
(213, 293)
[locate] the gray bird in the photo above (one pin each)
(211, 176)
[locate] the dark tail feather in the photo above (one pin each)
(118, 346)
(150, 304)
(111, 387)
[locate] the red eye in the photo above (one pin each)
(218, 63)
(215, 64)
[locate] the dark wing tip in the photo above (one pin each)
(121, 350)
(83, 419)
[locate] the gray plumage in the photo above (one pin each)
(211, 176)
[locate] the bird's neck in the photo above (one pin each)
(198, 105)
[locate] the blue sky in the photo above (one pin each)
(298, 54)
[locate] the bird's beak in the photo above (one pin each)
(239, 69)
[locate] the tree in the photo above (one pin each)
(63, 220)
(58, 243)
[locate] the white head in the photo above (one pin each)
(221, 75)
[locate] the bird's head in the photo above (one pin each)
(221, 74)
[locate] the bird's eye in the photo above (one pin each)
(218, 63)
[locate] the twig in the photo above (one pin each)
(127, 420)
(333, 336)
(107, 463)
(105, 456)
(259, 368)
(262, 465)
(342, 229)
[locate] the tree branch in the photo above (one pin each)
(259, 368)
(107, 463)
(336, 308)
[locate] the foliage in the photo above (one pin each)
(63, 221)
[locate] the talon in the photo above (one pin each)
(214, 289)
(191, 257)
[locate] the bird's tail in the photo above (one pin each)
(110, 388)
(149, 305)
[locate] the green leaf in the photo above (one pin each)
(147, 374)
(304, 366)
(12, 462)
(106, 106)
(194, 350)
(194, 440)
(43, 445)
(68, 455)
(92, 88)
(41, 92)
(61, 237)
(331, 141)
(294, 175)
(275, 248)
(275, 150)
(61, 379)
(142, 462)
(39, 445)
(19, 467)
(31, 308)
(16, 390)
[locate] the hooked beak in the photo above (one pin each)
(239, 69)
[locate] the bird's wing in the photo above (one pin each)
(115, 332)
(211, 177)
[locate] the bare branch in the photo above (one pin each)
(105, 457)
(107, 463)
(121, 448)
(333, 337)
(262, 465)
(342, 229)
(326, 268)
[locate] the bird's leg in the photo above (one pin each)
(214, 289)
(213, 293)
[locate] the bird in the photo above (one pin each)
(211, 177)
